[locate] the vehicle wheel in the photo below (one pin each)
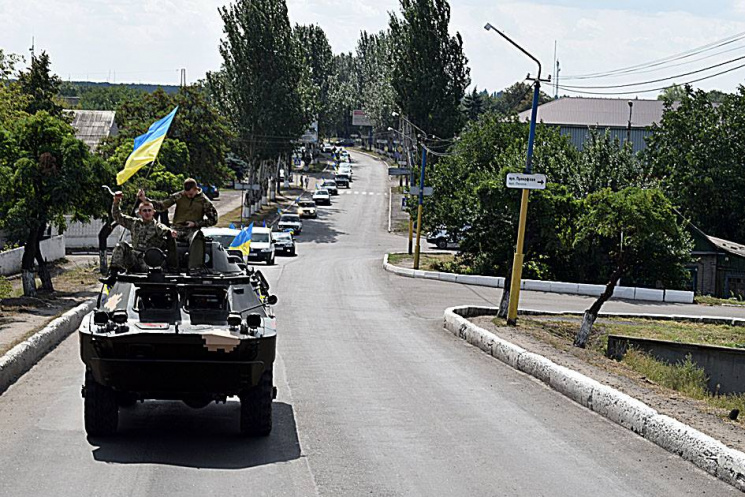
(101, 410)
(442, 244)
(256, 407)
(270, 262)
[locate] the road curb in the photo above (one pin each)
(23, 356)
(623, 293)
(707, 453)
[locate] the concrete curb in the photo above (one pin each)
(23, 356)
(709, 454)
(620, 292)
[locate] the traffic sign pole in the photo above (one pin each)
(419, 210)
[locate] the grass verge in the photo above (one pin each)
(427, 262)
(685, 377)
(709, 300)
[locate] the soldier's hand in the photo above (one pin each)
(191, 224)
(174, 233)
(141, 195)
(118, 196)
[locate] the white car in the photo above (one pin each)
(262, 246)
(330, 185)
(322, 197)
(224, 236)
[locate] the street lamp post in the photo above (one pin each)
(517, 263)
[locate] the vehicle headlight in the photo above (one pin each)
(266, 250)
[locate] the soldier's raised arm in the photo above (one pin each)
(116, 213)
(160, 205)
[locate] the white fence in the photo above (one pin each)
(85, 235)
(52, 249)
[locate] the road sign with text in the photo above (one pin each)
(428, 190)
(526, 181)
(399, 171)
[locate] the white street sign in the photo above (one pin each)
(526, 181)
(414, 190)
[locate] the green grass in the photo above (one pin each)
(427, 262)
(708, 300)
(684, 377)
(677, 331)
(6, 289)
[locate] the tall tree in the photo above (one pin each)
(633, 231)
(344, 93)
(48, 174)
(316, 60)
(375, 70)
(697, 151)
(41, 86)
(473, 105)
(257, 87)
(430, 72)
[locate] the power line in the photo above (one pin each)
(653, 89)
(662, 61)
(627, 85)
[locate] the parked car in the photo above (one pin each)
(322, 197)
(330, 185)
(342, 180)
(211, 191)
(327, 148)
(345, 169)
(307, 208)
(291, 223)
(284, 242)
(443, 238)
(262, 246)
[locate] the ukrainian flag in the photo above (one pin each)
(242, 241)
(146, 148)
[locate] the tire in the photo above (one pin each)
(442, 243)
(101, 409)
(256, 407)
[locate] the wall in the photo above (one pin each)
(52, 249)
(579, 134)
(724, 366)
(85, 235)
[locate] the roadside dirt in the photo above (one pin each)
(697, 414)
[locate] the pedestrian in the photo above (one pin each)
(306, 182)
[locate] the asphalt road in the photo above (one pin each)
(374, 399)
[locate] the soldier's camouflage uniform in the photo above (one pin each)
(201, 212)
(145, 235)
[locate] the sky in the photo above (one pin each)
(149, 41)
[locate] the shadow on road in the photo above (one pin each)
(172, 433)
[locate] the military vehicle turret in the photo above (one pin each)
(174, 336)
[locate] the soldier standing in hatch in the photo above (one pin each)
(146, 233)
(193, 211)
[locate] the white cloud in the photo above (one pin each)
(149, 40)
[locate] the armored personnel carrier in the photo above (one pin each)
(174, 336)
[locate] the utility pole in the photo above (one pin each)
(628, 128)
(419, 208)
(517, 264)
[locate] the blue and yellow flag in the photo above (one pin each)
(146, 148)
(242, 241)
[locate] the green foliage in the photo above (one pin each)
(12, 100)
(685, 377)
(257, 87)
(100, 97)
(698, 153)
(374, 53)
(197, 140)
(515, 99)
(430, 72)
(50, 174)
(473, 105)
(40, 86)
(634, 232)
(344, 94)
(315, 63)
(6, 289)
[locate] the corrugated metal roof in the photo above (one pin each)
(601, 112)
(92, 126)
(727, 246)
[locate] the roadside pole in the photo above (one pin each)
(419, 209)
(517, 263)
